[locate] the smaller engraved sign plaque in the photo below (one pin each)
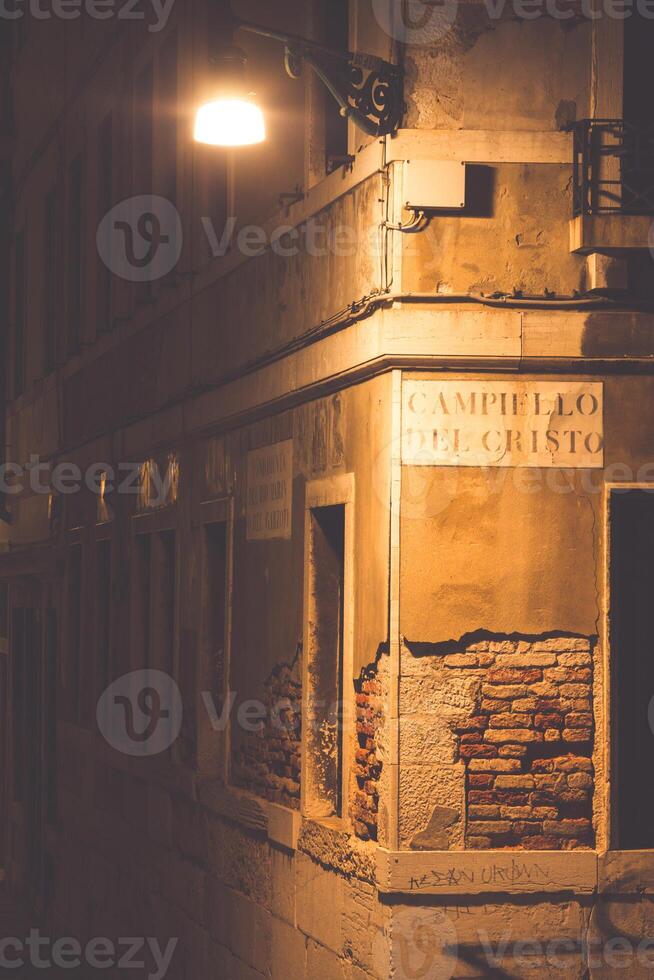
(270, 492)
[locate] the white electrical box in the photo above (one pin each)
(431, 185)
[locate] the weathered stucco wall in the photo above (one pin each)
(512, 235)
(539, 68)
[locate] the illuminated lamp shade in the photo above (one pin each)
(230, 122)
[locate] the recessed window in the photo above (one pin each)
(50, 275)
(103, 608)
(631, 630)
(164, 604)
(142, 579)
(216, 608)
(18, 701)
(168, 88)
(337, 37)
(325, 631)
(20, 313)
(104, 310)
(75, 279)
(143, 153)
(154, 621)
(72, 667)
(51, 714)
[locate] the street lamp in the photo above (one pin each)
(230, 118)
(368, 89)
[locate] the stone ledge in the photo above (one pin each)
(626, 872)
(610, 232)
(487, 872)
(279, 824)
(283, 826)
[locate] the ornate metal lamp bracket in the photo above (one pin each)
(369, 90)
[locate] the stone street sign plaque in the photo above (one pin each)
(270, 491)
(503, 423)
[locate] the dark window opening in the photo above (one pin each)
(168, 116)
(51, 243)
(22, 28)
(632, 627)
(327, 574)
(216, 607)
(75, 192)
(638, 69)
(142, 580)
(51, 714)
(104, 311)
(71, 679)
(4, 610)
(638, 110)
(337, 37)
(18, 700)
(103, 608)
(20, 313)
(164, 601)
(143, 155)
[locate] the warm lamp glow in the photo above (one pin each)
(230, 122)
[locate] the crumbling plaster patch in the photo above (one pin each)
(511, 721)
(445, 84)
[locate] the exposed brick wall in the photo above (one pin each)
(528, 747)
(267, 762)
(364, 808)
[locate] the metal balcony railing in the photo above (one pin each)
(613, 167)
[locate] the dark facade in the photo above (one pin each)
(326, 495)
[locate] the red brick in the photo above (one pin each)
(577, 734)
(512, 751)
(479, 781)
(568, 675)
(515, 675)
(579, 719)
(510, 720)
(548, 721)
(541, 843)
(478, 751)
(567, 828)
(477, 796)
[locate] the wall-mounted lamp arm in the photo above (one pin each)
(368, 89)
